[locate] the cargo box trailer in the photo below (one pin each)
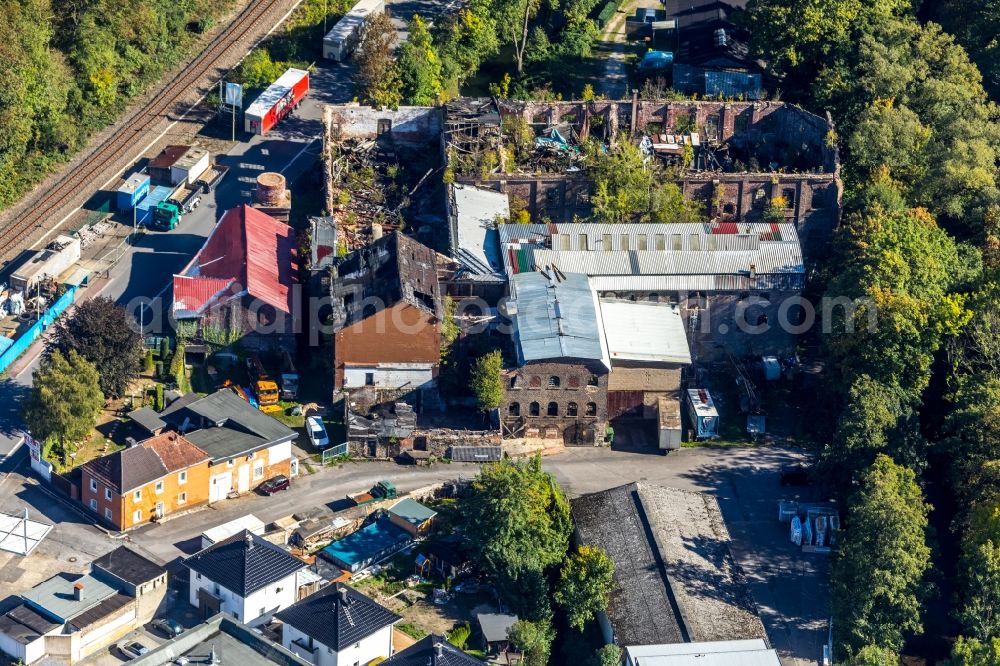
(132, 191)
(340, 42)
(51, 262)
(187, 169)
(144, 210)
(703, 415)
(280, 99)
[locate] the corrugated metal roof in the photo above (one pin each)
(730, 250)
(644, 331)
(710, 653)
(557, 318)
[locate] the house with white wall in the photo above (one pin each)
(338, 626)
(244, 576)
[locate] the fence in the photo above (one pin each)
(33, 333)
(333, 452)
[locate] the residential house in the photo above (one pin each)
(244, 576)
(71, 616)
(412, 516)
(718, 653)
(387, 307)
(495, 629)
(432, 650)
(664, 590)
(242, 284)
(559, 387)
(336, 626)
(220, 640)
(158, 477)
(245, 446)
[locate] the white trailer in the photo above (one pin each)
(704, 417)
(189, 166)
(341, 41)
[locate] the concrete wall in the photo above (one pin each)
(372, 647)
(408, 124)
(573, 387)
(388, 376)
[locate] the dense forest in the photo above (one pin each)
(915, 444)
(71, 66)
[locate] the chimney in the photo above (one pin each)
(343, 594)
(78, 591)
(438, 649)
(249, 538)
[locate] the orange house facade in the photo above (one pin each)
(157, 477)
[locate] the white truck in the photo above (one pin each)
(341, 41)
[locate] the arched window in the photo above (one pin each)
(592, 381)
(515, 381)
(553, 409)
(533, 409)
(514, 409)
(553, 381)
(571, 409)
(591, 409)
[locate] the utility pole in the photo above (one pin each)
(234, 123)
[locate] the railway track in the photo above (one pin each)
(14, 237)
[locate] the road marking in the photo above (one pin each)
(299, 154)
(170, 126)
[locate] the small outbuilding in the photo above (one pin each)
(412, 516)
(495, 628)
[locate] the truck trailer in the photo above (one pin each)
(51, 262)
(341, 41)
(280, 99)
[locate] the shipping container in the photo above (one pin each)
(341, 41)
(280, 98)
(51, 262)
(703, 415)
(132, 191)
(189, 166)
(144, 210)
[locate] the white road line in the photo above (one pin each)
(169, 127)
(299, 154)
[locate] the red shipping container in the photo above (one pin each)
(280, 98)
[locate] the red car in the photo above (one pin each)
(274, 485)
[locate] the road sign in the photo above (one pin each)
(232, 94)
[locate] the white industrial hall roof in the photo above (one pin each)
(475, 214)
(644, 331)
(712, 653)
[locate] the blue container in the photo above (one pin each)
(144, 209)
(132, 191)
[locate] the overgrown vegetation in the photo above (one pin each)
(70, 69)
(64, 401)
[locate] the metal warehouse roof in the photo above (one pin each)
(709, 653)
(473, 234)
(742, 255)
(644, 331)
(557, 317)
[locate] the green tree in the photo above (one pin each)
(668, 204)
(64, 401)
(608, 655)
(877, 575)
(517, 519)
(972, 652)
(487, 381)
(419, 66)
(459, 635)
(622, 181)
(533, 640)
(513, 20)
(102, 332)
(376, 75)
(585, 581)
(981, 612)
(464, 39)
(873, 655)
(258, 70)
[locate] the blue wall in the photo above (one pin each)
(32, 334)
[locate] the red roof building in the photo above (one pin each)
(249, 257)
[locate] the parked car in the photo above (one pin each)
(274, 485)
(168, 627)
(794, 475)
(133, 650)
(317, 432)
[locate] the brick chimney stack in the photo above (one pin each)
(78, 591)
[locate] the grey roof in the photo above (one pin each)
(148, 419)
(127, 565)
(475, 453)
(495, 626)
(224, 425)
(244, 563)
(675, 578)
(231, 642)
(474, 241)
(101, 611)
(24, 624)
(432, 651)
(56, 596)
(127, 469)
(753, 652)
(412, 511)
(644, 331)
(676, 256)
(557, 317)
(338, 616)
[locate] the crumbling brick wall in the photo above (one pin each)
(565, 385)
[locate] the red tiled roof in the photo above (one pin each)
(247, 251)
(175, 451)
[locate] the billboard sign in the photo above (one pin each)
(232, 94)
